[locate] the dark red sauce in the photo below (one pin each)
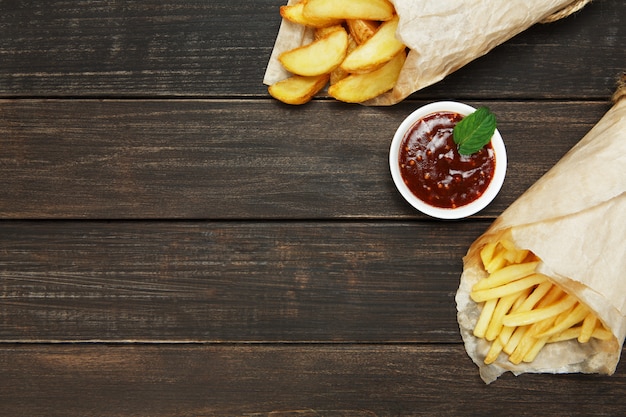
(433, 169)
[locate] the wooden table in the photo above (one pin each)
(174, 242)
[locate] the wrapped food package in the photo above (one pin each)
(571, 225)
(442, 36)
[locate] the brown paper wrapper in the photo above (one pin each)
(574, 219)
(442, 36)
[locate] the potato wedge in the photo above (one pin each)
(318, 57)
(348, 9)
(325, 31)
(338, 74)
(293, 13)
(298, 89)
(361, 30)
(357, 88)
(376, 51)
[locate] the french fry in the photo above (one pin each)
(361, 30)
(514, 340)
(586, 330)
(348, 9)
(485, 318)
(375, 51)
(537, 315)
(494, 351)
(506, 274)
(507, 289)
(338, 74)
(504, 304)
(532, 353)
(574, 333)
(498, 261)
(522, 310)
(357, 88)
(318, 57)
(523, 347)
(538, 293)
(571, 318)
(294, 14)
(298, 89)
(525, 299)
(487, 252)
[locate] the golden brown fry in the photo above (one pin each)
(298, 89)
(505, 275)
(498, 261)
(494, 350)
(294, 14)
(532, 353)
(524, 344)
(543, 314)
(514, 339)
(327, 30)
(357, 88)
(570, 318)
(538, 293)
(503, 306)
(318, 57)
(485, 317)
(507, 289)
(378, 69)
(487, 252)
(574, 332)
(361, 30)
(537, 315)
(348, 9)
(338, 74)
(586, 330)
(376, 51)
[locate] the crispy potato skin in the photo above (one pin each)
(349, 9)
(297, 89)
(375, 51)
(357, 88)
(354, 51)
(319, 57)
(294, 13)
(361, 30)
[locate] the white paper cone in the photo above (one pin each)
(574, 220)
(442, 37)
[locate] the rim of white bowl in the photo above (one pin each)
(447, 213)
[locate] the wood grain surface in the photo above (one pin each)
(241, 159)
(220, 48)
(232, 282)
(284, 381)
(173, 242)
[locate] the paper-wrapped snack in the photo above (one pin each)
(442, 36)
(573, 222)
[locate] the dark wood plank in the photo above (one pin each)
(220, 48)
(240, 159)
(285, 381)
(231, 281)
(174, 242)
(135, 48)
(549, 61)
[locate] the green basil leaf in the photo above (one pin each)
(474, 131)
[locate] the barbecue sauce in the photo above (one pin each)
(433, 169)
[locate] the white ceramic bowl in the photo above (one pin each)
(446, 213)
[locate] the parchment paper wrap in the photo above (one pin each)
(442, 36)
(574, 219)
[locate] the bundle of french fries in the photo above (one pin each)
(354, 51)
(522, 310)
